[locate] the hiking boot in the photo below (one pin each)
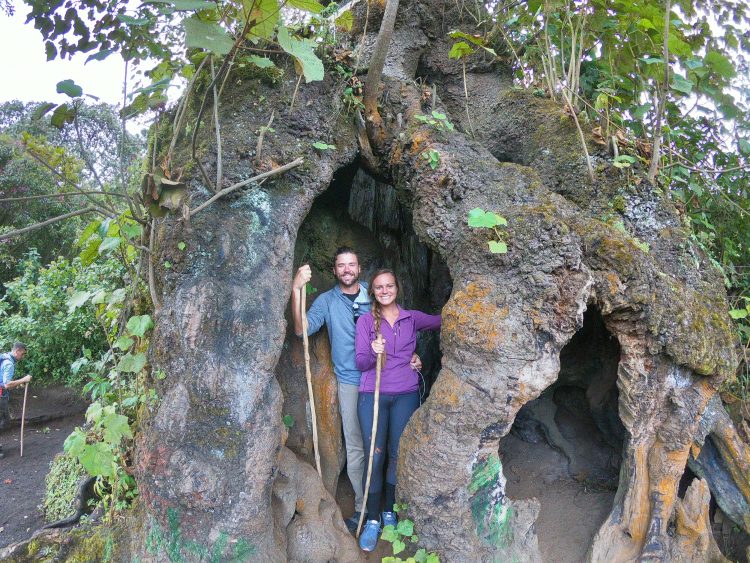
(352, 522)
(368, 540)
(389, 519)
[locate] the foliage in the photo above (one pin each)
(61, 487)
(436, 120)
(481, 219)
(432, 157)
(35, 311)
(399, 535)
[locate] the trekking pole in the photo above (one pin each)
(308, 376)
(23, 414)
(375, 409)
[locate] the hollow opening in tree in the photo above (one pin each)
(373, 219)
(565, 447)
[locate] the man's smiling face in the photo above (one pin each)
(346, 269)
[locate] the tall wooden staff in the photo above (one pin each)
(308, 375)
(23, 414)
(373, 434)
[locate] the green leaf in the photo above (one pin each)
(207, 35)
(132, 363)
(320, 145)
(405, 527)
(646, 24)
(266, 15)
(115, 428)
(719, 64)
(117, 296)
(303, 52)
(432, 558)
(389, 534)
(139, 325)
(109, 243)
(744, 146)
(288, 420)
(398, 547)
(88, 255)
(90, 229)
(94, 412)
(42, 110)
(460, 50)
(75, 443)
(345, 21)
(70, 88)
(497, 247)
(623, 161)
(77, 300)
(100, 56)
(131, 230)
(261, 62)
(97, 459)
(63, 114)
(306, 5)
(123, 343)
(738, 313)
(652, 60)
(681, 84)
(130, 20)
(181, 245)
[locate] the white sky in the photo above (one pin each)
(29, 77)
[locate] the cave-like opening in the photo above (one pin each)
(565, 447)
(374, 219)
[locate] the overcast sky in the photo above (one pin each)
(29, 77)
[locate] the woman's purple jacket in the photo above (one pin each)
(396, 376)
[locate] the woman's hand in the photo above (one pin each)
(378, 346)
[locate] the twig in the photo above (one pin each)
(582, 138)
(294, 96)
(151, 284)
(262, 134)
(217, 128)
(181, 114)
(238, 185)
(653, 168)
(36, 226)
(60, 194)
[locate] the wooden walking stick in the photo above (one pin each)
(374, 432)
(308, 376)
(23, 414)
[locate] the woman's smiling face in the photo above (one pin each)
(385, 289)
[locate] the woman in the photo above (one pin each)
(392, 331)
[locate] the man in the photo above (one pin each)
(338, 308)
(7, 371)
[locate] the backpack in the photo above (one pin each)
(6, 357)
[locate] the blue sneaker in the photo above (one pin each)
(352, 522)
(389, 519)
(368, 539)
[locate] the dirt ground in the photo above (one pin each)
(51, 414)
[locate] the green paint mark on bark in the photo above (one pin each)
(490, 508)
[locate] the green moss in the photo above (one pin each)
(61, 487)
(618, 204)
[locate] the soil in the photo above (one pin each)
(52, 412)
(571, 513)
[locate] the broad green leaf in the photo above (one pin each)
(320, 145)
(432, 558)
(719, 64)
(97, 459)
(460, 50)
(109, 243)
(744, 146)
(100, 56)
(63, 114)
(288, 420)
(70, 88)
(140, 325)
(261, 62)
(117, 296)
(90, 230)
(646, 24)
(75, 443)
(94, 412)
(131, 230)
(497, 247)
(306, 5)
(478, 41)
(130, 20)
(303, 52)
(738, 313)
(99, 297)
(42, 110)
(115, 428)
(405, 527)
(77, 300)
(88, 255)
(389, 534)
(345, 21)
(207, 35)
(132, 363)
(398, 547)
(181, 245)
(681, 84)
(652, 60)
(623, 161)
(640, 112)
(500, 221)
(266, 15)
(123, 343)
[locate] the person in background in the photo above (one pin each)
(392, 331)
(7, 371)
